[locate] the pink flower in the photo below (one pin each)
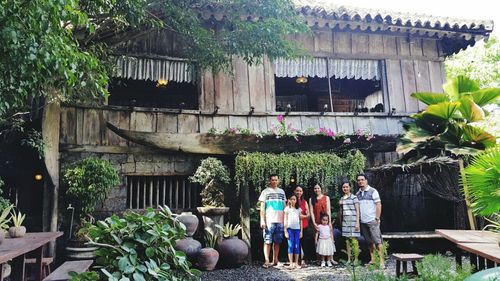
(280, 118)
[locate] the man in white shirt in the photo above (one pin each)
(370, 209)
(272, 204)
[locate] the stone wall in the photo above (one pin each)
(127, 164)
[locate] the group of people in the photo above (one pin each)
(289, 218)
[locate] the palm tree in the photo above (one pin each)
(446, 124)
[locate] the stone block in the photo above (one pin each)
(128, 168)
(144, 167)
(164, 167)
(143, 157)
(118, 158)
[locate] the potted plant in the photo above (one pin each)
(17, 230)
(232, 250)
(213, 175)
(208, 256)
(88, 182)
(4, 220)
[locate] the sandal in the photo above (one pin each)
(266, 265)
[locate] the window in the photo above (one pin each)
(331, 85)
(141, 93)
(152, 82)
(177, 192)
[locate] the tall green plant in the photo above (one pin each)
(446, 124)
(89, 181)
(329, 169)
(482, 178)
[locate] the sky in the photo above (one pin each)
(478, 9)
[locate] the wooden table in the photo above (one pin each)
(476, 243)
(15, 249)
(487, 251)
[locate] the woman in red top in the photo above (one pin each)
(319, 205)
(304, 215)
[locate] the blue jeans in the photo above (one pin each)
(294, 241)
(273, 233)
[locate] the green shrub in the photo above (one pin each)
(141, 247)
(440, 268)
(4, 203)
(89, 181)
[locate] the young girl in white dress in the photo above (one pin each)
(325, 246)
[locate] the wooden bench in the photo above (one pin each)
(404, 259)
(62, 272)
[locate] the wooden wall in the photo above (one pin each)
(87, 126)
(249, 86)
(410, 67)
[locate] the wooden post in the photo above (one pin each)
(50, 132)
(472, 221)
(245, 218)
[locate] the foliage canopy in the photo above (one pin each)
(57, 49)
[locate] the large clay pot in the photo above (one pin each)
(212, 216)
(207, 259)
(17, 231)
(190, 221)
(190, 247)
(232, 252)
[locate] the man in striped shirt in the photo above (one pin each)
(370, 209)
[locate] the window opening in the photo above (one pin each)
(176, 192)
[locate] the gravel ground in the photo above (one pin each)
(310, 273)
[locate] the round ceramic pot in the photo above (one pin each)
(190, 221)
(207, 259)
(232, 252)
(17, 231)
(190, 247)
(2, 235)
(77, 250)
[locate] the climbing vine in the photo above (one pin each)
(253, 169)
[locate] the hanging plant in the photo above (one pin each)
(253, 169)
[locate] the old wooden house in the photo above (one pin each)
(364, 66)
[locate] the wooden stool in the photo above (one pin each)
(405, 258)
(46, 262)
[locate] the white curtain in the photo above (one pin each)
(317, 67)
(154, 69)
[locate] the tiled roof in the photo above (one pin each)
(328, 10)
